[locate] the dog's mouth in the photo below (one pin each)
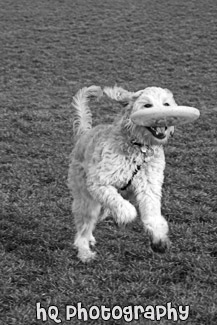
(158, 132)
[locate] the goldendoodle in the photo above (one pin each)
(110, 160)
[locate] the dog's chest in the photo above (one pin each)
(132, 161)
(138, 154)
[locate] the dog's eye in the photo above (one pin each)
(148, 105)
(166, 104)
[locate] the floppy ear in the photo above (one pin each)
(117, 93)
(121, 95)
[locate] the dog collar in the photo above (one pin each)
(147, 150)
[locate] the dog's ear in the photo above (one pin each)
(117, 93)
(121, 95)
(137, 93)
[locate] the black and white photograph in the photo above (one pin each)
(108, 162)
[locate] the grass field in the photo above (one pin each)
(49, 49)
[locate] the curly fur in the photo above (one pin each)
(83, 117)
(104, 160)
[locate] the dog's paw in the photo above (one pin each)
(161, 246)
(126, 213)
(157, 228)
(86, 256)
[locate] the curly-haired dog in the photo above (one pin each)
(122, 156)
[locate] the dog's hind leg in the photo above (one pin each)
(86, 212)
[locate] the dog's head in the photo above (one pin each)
(144, 99)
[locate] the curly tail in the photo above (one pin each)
(83, 117)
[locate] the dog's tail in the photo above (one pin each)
(82, 116)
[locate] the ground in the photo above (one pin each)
(49, 49)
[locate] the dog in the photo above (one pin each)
(110, 160)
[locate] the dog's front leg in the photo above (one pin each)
(147, 188)
(108, 197)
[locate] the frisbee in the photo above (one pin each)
(167, 116)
